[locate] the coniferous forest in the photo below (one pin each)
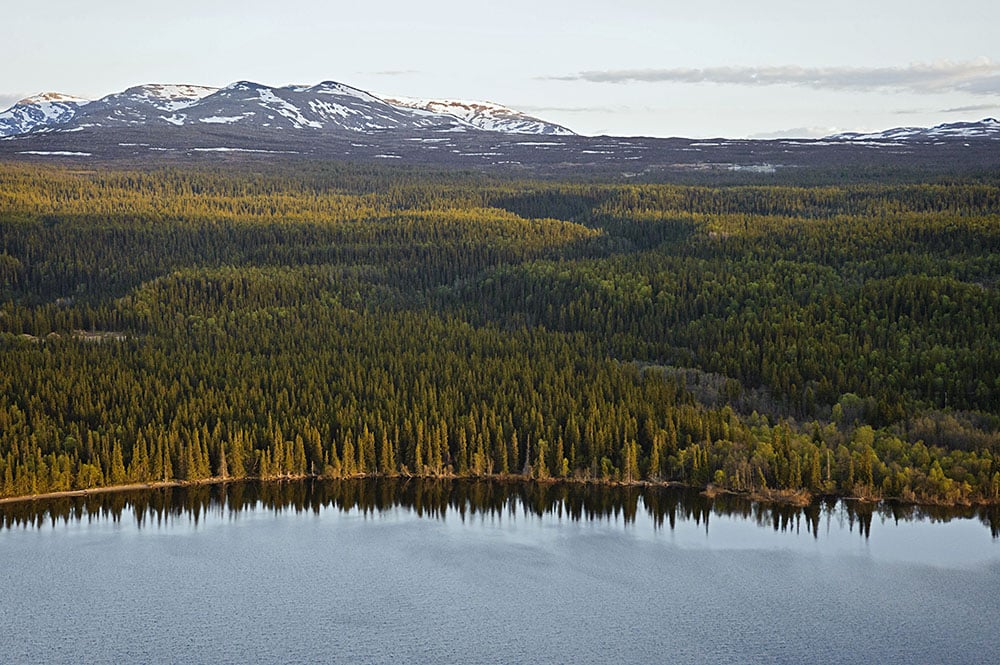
(267, 321)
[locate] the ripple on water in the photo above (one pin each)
(455, 573)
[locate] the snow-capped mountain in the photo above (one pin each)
(143, 103)
(485, 115)
(45, 110)
(988, 128)
(329, 106)
(325, 107)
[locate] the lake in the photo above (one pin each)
(373, 571)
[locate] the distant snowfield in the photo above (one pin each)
(222, 119)
(483, 115)
(271, 101)
(273, 152)
(55, 153)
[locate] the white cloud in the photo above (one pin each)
(971, 108)
(980, 77)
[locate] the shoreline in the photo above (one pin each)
(114, 489)
(794, 498)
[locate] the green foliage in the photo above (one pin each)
(188, 324)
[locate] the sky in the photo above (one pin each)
(704, 68)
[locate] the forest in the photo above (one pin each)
(268, 321)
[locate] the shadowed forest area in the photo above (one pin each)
(338, 321)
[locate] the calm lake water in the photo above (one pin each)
(463, 572)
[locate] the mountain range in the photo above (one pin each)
(325, 107)
(988, 128)
(331, 120)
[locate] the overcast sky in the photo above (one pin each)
(627, 67)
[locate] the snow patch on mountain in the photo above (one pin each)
(223, 120)
(334, 88)
(154, 96)
(484, 115)
(324, 108)
(271, 101)
(988, 128)
(47, 109)
(55, 153)
(165, 97)
(52, 98)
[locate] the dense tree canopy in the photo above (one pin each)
(195, 323)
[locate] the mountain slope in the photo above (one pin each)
(329, 106)
(485, 115)
(988, 128)
(48, 109)
(326, 107)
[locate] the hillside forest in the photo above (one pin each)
(270, 321)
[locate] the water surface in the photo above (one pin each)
(428, 572)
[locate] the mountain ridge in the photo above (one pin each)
(985, 128)
(485, 115)
(335, 106)
(328, 105)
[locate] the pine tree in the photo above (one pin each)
(118, 474)
(348, 456)
(387, 461)
(223, 468)
(541, 469)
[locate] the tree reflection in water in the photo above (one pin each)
(469, 499)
